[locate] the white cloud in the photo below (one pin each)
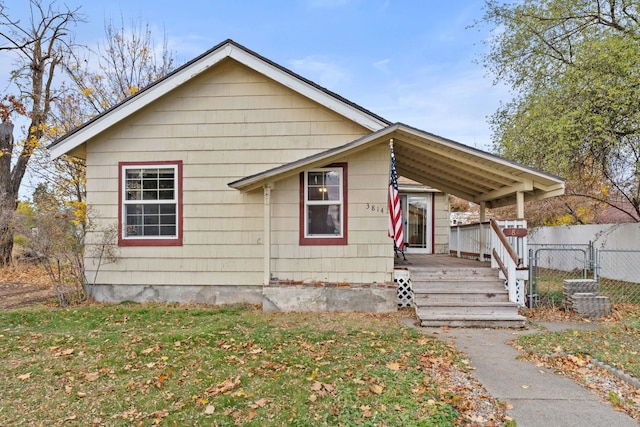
(382, 65)
(454, 105)
(322, 72)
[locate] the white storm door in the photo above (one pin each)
(418, 222)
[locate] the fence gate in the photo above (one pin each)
(549, 266)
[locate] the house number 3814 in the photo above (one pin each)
(376, 208)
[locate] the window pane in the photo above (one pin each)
(134, 195)
(150, 195)
(150, 219)
(324, 220)
(168, 230)
(168, 209)
(134, 174)
(166, 173)
(150, 184)
(151, 230)
(167, 219)
(165, 195)
(145, 220)
(323, 185)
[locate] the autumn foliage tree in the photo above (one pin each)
(40, 46)
(126, 62)
(63, 85)
(574, 70)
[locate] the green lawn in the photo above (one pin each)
(132, 364)
(615, 343)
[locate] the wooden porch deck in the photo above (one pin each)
(438, 261)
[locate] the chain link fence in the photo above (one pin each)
(616, 270)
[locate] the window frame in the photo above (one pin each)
(318, 240)
(149, 240)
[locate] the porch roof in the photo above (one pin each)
(437, 162)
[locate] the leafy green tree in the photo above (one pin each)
(574, 70)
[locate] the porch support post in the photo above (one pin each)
(483, 238)
(520, 204)
(267, 234)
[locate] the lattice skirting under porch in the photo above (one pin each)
(402, 279)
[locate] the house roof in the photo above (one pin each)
(181, 75)
(434, 161)
(438, 162)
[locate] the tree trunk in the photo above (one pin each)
(7, 196)
(6, 248)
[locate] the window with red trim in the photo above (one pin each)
(150, 211)
(323, 206)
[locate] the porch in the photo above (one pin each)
(481, 286)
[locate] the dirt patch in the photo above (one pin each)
(24, 284)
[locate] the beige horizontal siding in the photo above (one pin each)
(224, 125)
(366, 258)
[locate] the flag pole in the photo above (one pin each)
(395, 210)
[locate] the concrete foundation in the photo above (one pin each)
(277, 298)
(327, 299)
(214, 295)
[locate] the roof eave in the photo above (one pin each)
(227, 49)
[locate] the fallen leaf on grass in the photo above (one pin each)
(394, 366)
(376, 388)
(150, 349)
(209, 410)
(226, 386)
(366, 411)
(260, 403)
(91, 376)
(24, 376)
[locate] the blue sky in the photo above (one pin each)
(410, 61)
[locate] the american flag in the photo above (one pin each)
(395, 213)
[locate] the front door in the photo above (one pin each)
(418, 222)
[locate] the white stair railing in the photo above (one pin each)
(506, 259)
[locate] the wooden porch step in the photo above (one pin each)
(423, 286)
(463, 297)
(475, 274)
(475, 321)
(470, 308)
(459, 295)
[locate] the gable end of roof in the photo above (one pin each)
(226, 49)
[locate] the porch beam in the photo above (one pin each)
(440, 186)
(548, 188)
(523, 185)
(520, 204)
(483, 240)
(543, 195)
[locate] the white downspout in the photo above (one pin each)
(267, 234)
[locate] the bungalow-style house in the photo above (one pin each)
(235, 180)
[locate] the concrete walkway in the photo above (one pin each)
(539, 397)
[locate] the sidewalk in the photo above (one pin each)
(539, 397)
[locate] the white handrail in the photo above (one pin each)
(506, 259)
